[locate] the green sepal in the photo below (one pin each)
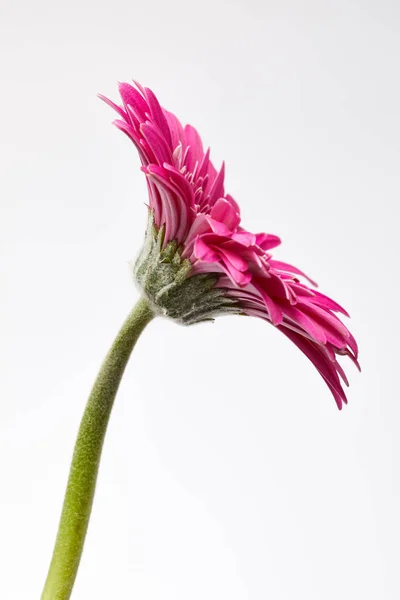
(166, 280)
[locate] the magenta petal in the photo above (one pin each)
(194, 144)
(117, 108)
(322, 363)
(273, 285)
(245, 238)
(311, 327)
(203, 165)
(335, 331)
(274, 312)
(158, 115)
(326, 302)
(204, 252)
(175, 128)
(218, 228)
(181, 182)
(224, 212)
(199, 226)
(173, 196)
(238, 277)
(217, 189)
(131, 96)
(266, 241)
(157, 143)
(233, 203)
(286, 268)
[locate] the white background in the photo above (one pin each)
(228, 472)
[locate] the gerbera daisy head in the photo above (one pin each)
(198, 261)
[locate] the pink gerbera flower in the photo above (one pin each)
(198, 261)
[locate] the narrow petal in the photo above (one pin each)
(286, 268)
(217, 189)
(117, 108)
(322, 363)
(158, 116)
(132, 97)
(157, 143)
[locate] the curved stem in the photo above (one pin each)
(86, 458)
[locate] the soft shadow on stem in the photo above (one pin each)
(86, 458)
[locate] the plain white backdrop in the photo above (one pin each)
(227, 470)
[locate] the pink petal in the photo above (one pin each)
(274, 312)
(238, 277)
(286, 268)
(158, 116)
(266, 241)
(327, 302)
(203, 166)
(311, 327)
(245, 238)
(195, 148)
(204, 252)
(131, 96)
(157, 143)
(224, 212)
(199, 226)
(217, 189)
(321, 362)
(219, 228)
(117, 108)
(175, 128)
(235, 259)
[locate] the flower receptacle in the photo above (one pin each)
(165, 279)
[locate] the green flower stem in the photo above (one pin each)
(86, 458)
